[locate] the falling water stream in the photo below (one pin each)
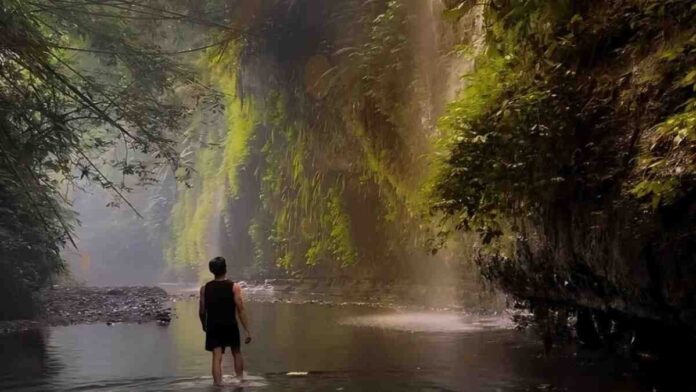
(341, 348)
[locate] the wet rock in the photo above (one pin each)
(586, 329)
(164, 316)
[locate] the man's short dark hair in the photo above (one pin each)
(217, 266)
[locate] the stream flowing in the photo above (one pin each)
(305, 347)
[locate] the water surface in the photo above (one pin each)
(343, 348)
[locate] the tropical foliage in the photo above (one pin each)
(86, 97)
(542, 120)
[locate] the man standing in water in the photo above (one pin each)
(220, 303)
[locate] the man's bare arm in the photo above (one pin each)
(241, 311)
(201, 308)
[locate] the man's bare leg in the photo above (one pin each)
(238, 364)
(217, 365)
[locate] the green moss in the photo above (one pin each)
(333, 239)
(241, 123)
(195, 209)
(196, 213)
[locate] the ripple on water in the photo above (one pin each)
(230, 383)
(430, 322)
(179, 384)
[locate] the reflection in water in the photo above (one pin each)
(340, 348)
(430, 322)
(24, 360)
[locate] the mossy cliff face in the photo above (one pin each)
(573, 153)
(216, 143)
(335, 128)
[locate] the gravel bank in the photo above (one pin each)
(77, 305)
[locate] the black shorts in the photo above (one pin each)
(222, 336)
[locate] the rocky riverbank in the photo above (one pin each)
(76, 305)
(365, 292)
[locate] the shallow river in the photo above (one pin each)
(343, 348)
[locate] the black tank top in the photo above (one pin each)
(220, 308)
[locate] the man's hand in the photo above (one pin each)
(241, 312)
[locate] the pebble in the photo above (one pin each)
(75, 305)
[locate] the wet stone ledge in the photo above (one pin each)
(79, 305)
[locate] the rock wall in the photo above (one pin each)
(573, 155)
